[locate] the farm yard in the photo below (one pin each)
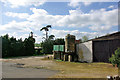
(86, 60)
(60, 40)
(65, 69)
(68, 59)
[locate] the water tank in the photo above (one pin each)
(70, 43)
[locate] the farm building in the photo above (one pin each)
(99, 49)
(65, 52)
(95, 50)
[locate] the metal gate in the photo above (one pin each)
(103, 49)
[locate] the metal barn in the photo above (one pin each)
(99, 49)
(104, 47)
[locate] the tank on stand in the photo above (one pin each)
(69, 48)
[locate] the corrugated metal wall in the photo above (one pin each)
(84, 51)
(103, 49)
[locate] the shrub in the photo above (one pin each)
(115, 59)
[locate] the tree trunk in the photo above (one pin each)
(119, 70)
(46, 35)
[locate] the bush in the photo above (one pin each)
(115, 59)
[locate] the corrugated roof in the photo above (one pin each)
(115, 35)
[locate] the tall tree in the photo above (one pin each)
(51, 37)
(84, 38)
(46, 30)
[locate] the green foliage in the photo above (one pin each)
(37, 45)
(59, 41)
(51, 37)
(47, 46)
(12, 47)
(84, 38)
(115, 59)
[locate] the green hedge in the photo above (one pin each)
(12, 47)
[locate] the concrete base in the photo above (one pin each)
(65, 57)
(70, 58)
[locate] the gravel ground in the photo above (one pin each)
(12, 68)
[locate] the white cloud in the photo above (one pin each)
(74, 3)
(75, 12)
(39, 11)
(77, 33)
(96, 20)
(14, 3)
(16, 26)
(19, 15)
(99, 17)
(41, 16)
(87, 3)
(112, 6)
(100, 28)
(38, 39)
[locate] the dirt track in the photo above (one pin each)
(12, 68)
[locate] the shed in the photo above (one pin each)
(99, 49)
(104, 47)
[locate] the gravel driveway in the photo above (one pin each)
(10, 70)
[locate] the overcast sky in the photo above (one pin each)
(20, 17)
